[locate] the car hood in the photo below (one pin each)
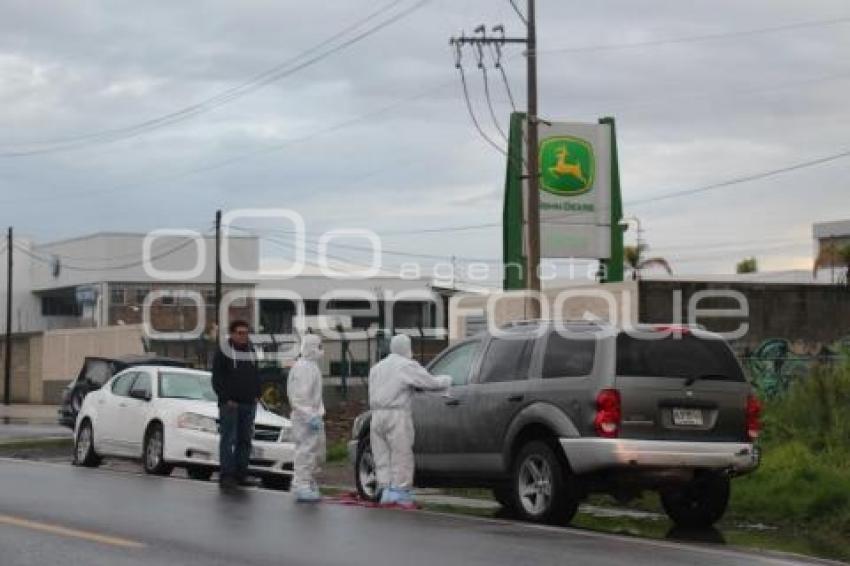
(210, 409)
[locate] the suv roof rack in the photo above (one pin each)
(536, 321)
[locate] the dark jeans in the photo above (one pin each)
(237, 429)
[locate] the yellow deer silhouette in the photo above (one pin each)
(562, 168)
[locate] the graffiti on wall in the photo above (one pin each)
(777, 363)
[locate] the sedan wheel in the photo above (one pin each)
(84, 454)
(153, 459)
(365, 477)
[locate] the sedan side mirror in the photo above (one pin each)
(140, 395)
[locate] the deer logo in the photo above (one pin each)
(567, 166)
(562, 168)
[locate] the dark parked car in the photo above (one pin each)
(544, 420)
(95, 372)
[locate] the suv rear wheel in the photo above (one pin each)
(700, 503)
(543, 490)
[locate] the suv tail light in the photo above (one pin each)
(753, 417)
(608, 413)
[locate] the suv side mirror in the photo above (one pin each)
(140, 394)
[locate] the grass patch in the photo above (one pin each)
(804, 478)
(337, 451)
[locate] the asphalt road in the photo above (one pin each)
(55, 514)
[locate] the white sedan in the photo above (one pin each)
(168, 417)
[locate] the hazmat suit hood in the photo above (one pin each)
(400, 345)
(311, 348)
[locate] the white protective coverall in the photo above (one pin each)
(391, 383)
(304, 389)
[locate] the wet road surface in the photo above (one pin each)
(21, 430)
(53, 514)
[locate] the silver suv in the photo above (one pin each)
(545, 414)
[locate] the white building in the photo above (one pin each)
(103, 279)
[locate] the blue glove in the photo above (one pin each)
(315, 423)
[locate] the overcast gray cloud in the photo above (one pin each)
(688, 114)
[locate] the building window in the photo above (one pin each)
(141, 295)
(118, 296)
(167, 301)
(59, 306)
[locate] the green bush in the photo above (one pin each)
(815, 412)
(804, 478)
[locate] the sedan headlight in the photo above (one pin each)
(194, 421)
(286, 434)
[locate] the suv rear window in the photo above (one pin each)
(687, 356)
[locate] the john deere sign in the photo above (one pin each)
(580, 207)
(567, 166)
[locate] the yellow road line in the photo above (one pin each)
(68, 532)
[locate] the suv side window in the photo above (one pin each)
(569, 357)
(121, 385)
(457, 363)
(506, 360)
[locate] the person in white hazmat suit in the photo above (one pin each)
(391, 383)
(304, 389)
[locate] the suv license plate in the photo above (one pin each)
(257, 453)
(687, 417)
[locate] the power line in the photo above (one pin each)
(49, 261)
(472, 116)
(233, 93)
(697, 38)
(496, 53)
(245, 156)
(316, 242)
(490, 104)
(739, 180)
(519, 12)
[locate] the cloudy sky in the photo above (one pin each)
(376, 135)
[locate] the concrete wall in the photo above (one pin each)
(63, 351)
(612, 302)
(812, 315)
(22, 369)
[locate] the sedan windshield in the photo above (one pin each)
(196, 386)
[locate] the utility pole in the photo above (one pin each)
(532, 196)
(217, 275)
(7, 379)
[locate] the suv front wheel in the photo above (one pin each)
(543, 489)
(365, 477)
(700, 503)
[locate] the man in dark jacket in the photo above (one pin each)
(236, 381)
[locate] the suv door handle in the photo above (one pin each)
(516, 398)
(122, 404)
(453, 402)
